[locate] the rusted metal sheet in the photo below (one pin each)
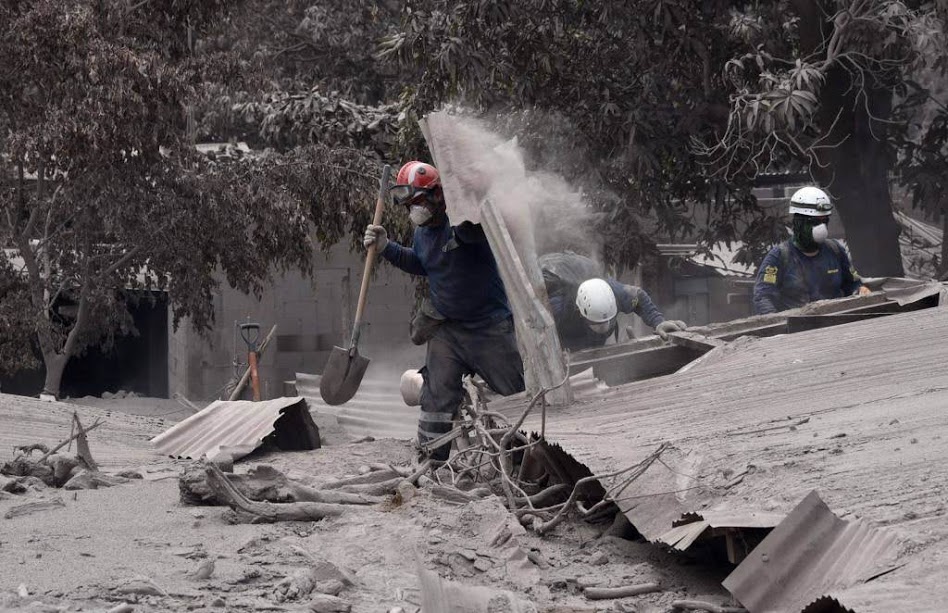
(238, 427)
(855, 411)
(812, 554)
(119, 442)
(376, 410)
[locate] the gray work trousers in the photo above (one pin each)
(455, 351)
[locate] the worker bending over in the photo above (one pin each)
(585, 304)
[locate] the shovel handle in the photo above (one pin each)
(370, 256)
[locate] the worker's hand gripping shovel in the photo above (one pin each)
(345, 367)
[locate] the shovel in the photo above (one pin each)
(345, 368)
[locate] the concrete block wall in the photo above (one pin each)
(312, 315)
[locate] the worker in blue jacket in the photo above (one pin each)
(809, 266)
(466, 320)
(585, 304)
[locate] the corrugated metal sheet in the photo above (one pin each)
(121, 441)
(237, 427)
(855, 411)
(812, 554)
(376, 410)
(694, 526)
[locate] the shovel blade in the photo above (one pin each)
(342, 376)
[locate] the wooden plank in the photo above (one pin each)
(802, 323)
(644, 364)
(756, 325)
(651, 357)
(536, 332)
(699, 342)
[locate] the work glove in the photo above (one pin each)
(377, 235)
(666, 327)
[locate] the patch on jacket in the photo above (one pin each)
(770, 274)
(832, 271)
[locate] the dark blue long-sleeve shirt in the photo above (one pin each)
(793, 279)
(563, 273)
(464, 284)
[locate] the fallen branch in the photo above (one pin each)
(376, 476)
(79, 432)
(699, 605)
(422, 469)
(605, 593)
(545, 496)
(265, 512)
(34, 507)
(636, 471)
(263, 484)
(385, 488)
(453, 494)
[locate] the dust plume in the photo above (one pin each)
(543, 212)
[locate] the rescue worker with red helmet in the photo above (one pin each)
(810, 266)
(466, 319)
(585, 303)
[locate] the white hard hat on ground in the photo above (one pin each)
(596, 301)
(811, 201)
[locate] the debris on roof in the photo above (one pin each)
(650, 357)
(238, 427)
(854, 411)
(812, 554)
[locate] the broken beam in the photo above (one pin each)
(536, 331)
(698, 342)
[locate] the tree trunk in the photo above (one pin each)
(943, 264)
(55, 365)
(857, 173)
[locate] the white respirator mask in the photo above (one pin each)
(820, 234)
(419, 215)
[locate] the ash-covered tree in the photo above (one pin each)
(622, 88)
(668, 103)
(17, 336)
(817, 85)
(318, 98)
(923, 159)
(101, 189)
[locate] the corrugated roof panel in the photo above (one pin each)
(237, 426)
(811, 554)
(377, 409)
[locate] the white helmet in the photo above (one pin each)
(596, 301)
(811, 201)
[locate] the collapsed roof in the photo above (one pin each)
(829, 436)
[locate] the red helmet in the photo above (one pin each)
(415, 179)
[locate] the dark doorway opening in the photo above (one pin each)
(135, 363)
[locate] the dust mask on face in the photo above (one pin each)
(419, 215)
(820, 233)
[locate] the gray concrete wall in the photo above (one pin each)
(312, 315)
